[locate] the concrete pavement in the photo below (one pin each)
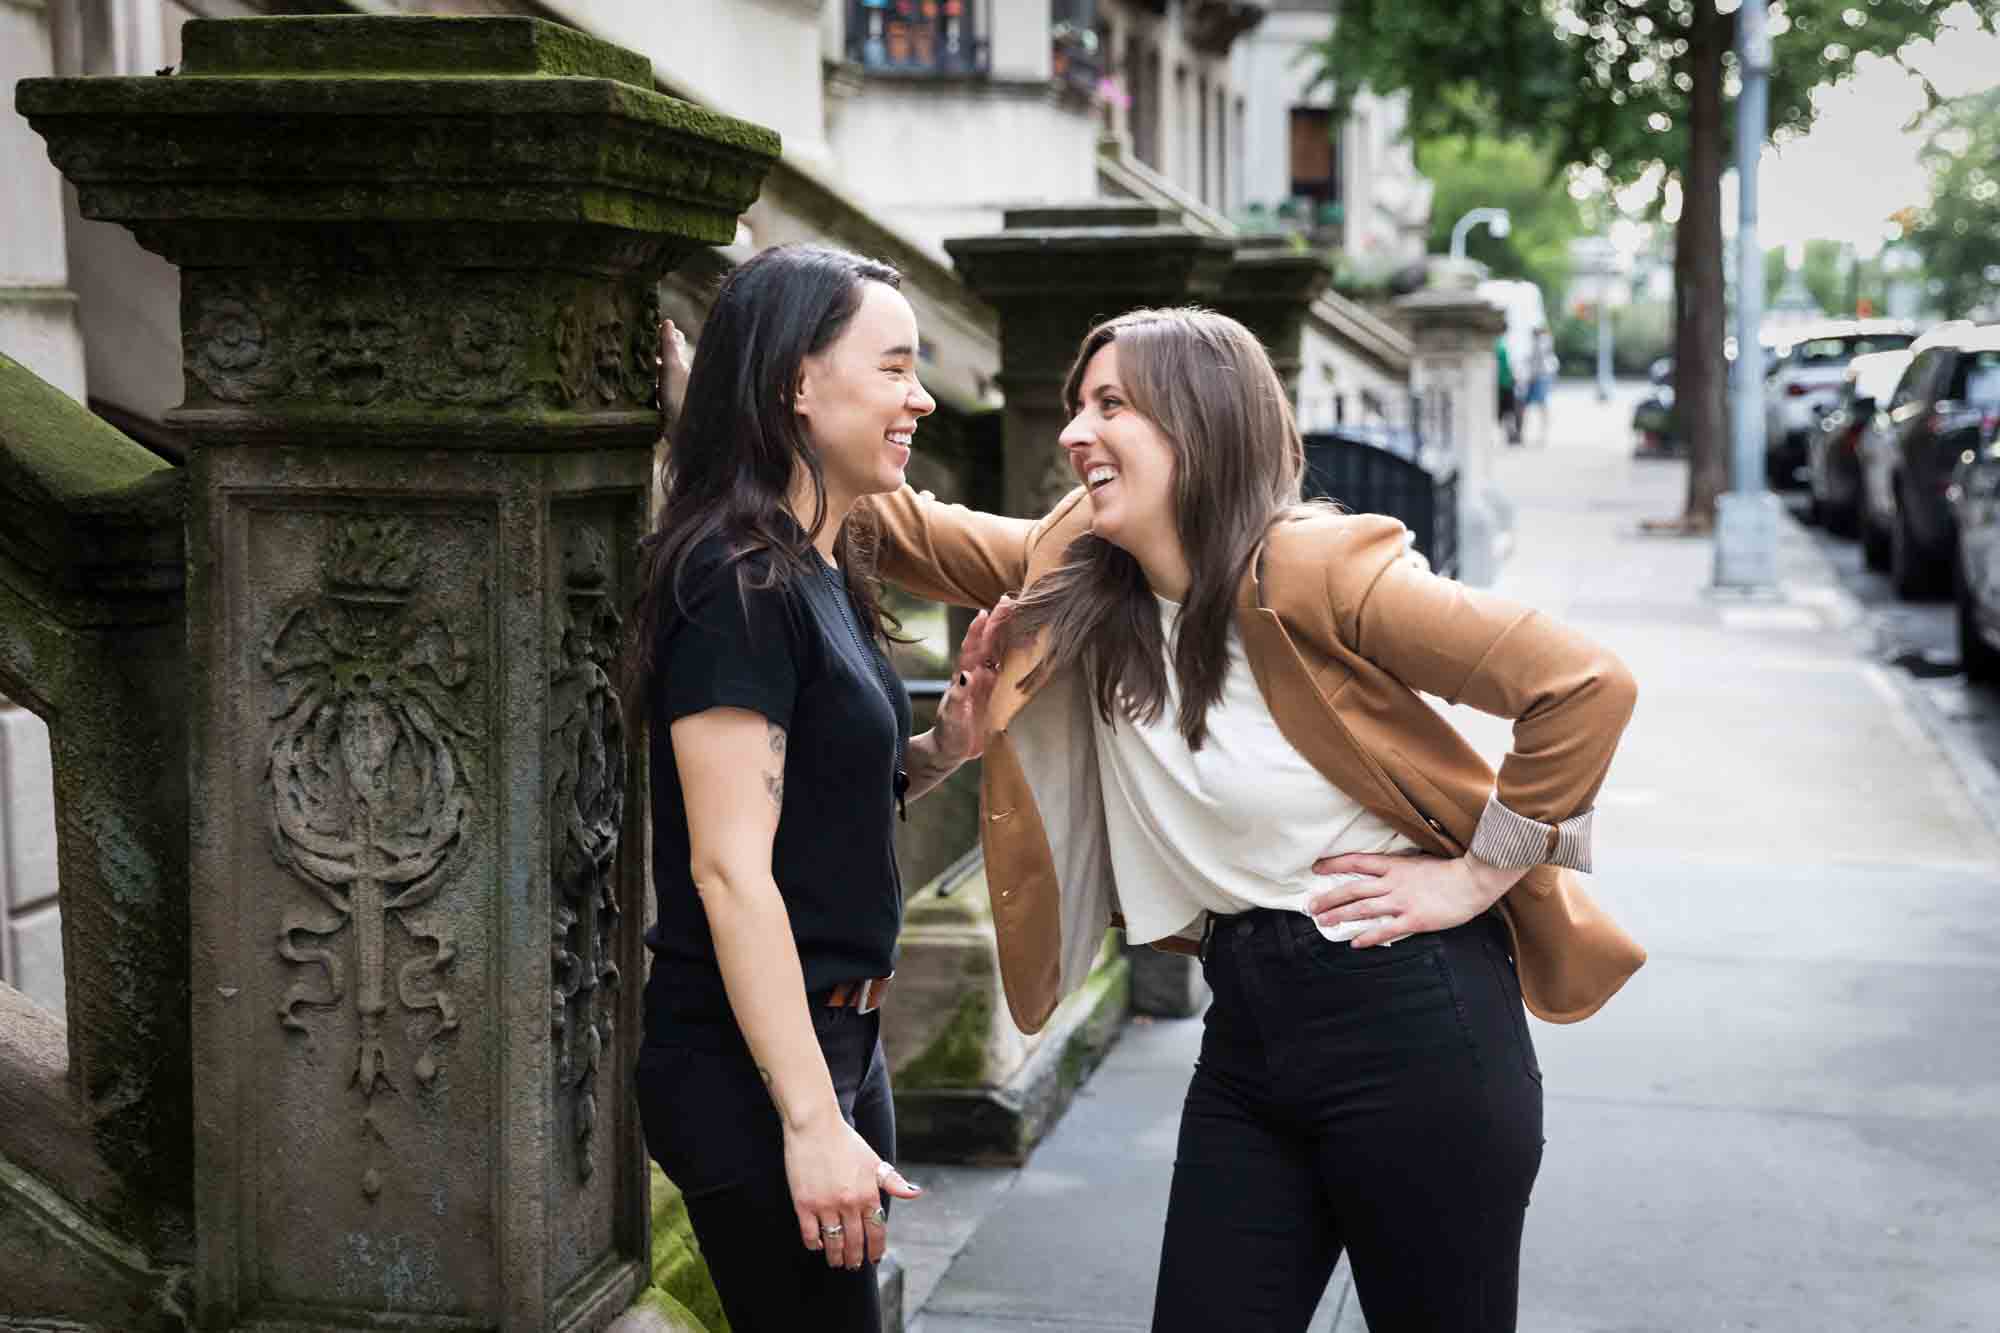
(1789, 1120)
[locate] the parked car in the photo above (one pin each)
(1975, 503)
(1833, 453)
(1802, 384)
(1948, 397)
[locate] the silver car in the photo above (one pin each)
(1802, 383)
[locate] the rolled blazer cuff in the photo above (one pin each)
(1507, 839)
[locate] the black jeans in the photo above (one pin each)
(711, 1125)
(1384, 1101)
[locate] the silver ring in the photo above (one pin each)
(880, 1217)
(990, 664)
(833, 1230)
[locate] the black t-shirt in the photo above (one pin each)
(793, 654)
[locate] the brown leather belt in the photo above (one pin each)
(863, 996)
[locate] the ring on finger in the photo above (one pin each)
(833, 1230)
(880, 1217)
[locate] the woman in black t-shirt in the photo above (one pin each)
(780, 752)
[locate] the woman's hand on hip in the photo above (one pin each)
(1407, 895)
(961, 716)
(837, 1186)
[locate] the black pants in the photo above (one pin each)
(1384, 1101)
(711, 1125)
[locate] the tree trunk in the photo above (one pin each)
(1701, 377)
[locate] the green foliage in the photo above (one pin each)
(1956, 234)
(1640, 335)
(1472, 172)
(1601, 83)
(1830, 273)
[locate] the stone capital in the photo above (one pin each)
(1052, 274)
(421, 224)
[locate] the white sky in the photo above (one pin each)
(1858, 164)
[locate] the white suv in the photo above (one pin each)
(1802, 384)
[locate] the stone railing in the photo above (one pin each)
(95, 1112)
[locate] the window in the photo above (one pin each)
(1142, 70)
(1839, 351)
(1183, 126)
(1077, 58)
(1201, 156)
(1976, 381)
(916, 36)
(1315, 156)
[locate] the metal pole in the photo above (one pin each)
(1604, 339)
(1746, 546)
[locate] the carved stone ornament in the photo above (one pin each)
(602, 359)
(368, 784)
(587, 804)
(255, 341)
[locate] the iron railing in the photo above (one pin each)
(1403, 469)
(941, 38)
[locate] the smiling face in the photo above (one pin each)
(860, 399)
(1123, 458)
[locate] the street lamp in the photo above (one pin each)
(1495, 219)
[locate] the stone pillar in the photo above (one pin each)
(1452, 333)
(1269, 289)
(1052, 274)
(417, 317)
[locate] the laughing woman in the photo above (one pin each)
(780, 751)
(1209, 719)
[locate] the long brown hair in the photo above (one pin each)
(737, 445)
(1209, 387)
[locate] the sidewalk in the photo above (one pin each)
(1789, 1120)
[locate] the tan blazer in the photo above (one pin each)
(1341, 633)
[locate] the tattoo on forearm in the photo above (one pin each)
(774, 781)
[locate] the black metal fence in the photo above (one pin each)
(1404, 469)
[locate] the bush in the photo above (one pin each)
(1640, 335)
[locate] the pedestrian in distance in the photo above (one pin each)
(1509, 413)
(1542, 368)
(780, 750)
(1209, 726)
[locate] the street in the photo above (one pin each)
(1789, 1119)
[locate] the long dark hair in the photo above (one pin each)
(1208, 385)
(737, 445)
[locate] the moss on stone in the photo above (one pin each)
(679, 1271)
(671, 1312)
(57, 451)
(404, 44)
(956, 1058)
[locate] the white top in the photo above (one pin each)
(1234, 826)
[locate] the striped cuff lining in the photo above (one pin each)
(1505, 838)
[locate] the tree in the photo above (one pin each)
(1623, 86)
(1955, 233)
(1468, 172)
(1826, 269)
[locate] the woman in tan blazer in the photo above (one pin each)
(1210, 726)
